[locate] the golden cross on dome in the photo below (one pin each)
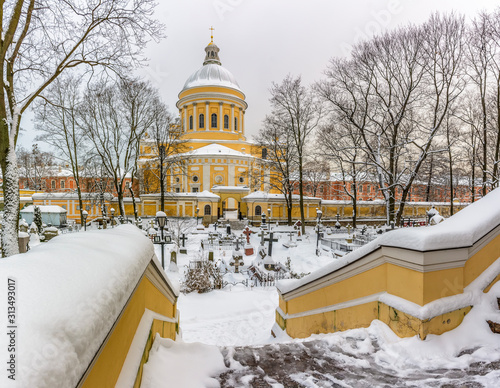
(211, 34)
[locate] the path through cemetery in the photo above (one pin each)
(318, 363)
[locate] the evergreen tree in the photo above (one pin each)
(37, 218)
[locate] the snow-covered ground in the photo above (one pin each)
(229, 332)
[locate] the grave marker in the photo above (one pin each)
(270, 239)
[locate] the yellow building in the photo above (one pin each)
(218, 158)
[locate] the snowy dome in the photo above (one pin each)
(212, 74)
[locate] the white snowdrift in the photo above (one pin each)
(69, 293)
(181, 364)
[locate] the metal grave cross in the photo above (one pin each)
(270, 239)
(247, 232)
(183, 238)
(211, 239)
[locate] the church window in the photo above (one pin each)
(177, 189)
(226, 122)
(62, 184)
(202, 121)
(236, 124)
(191, 122)
(208, 210)
(242, 180)
(195, 178)
(258, 210)
(195, 189)
(53, 184)
(214, 120)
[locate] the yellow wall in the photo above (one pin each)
(415, 286)
(107, 368)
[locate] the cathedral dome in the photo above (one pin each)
(211, 74)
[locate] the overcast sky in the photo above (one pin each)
(261, 41)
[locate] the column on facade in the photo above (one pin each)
(185, 118)
(195, 118)
(242, 127)
(231, 124)
(207, 104)
(221, 124)
(240, 120)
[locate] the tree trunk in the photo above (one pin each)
(10, 222)
(301, 196)
(289, 205)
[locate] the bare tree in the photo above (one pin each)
(56, 117)
(114, 118)
(42, 39)
(341, 143)
(167, 147)
(279, 158)
(316, 173)
(396, 90)
(35, 165)
(299, 113)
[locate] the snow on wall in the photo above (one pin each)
(461, 230)
(69, 293)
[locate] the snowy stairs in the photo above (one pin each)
(495, 327)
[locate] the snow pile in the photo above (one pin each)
(69, 293)
(461, 230)
(180, 364)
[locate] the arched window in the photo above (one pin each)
(201, 124)
(191, 122)
(208, 210)
(226, 122)
(236, 124)
(258, 210)
(214, 120)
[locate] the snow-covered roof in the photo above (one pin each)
(70, 195)
(44, 209)
(211, 75)
(263, 196)
(73, 289)
(215, 149)
(459, 231)
(230, 188)
(205, 194)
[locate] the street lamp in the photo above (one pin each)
(319, 213)
(112, 210)
(161, 219)
(197, 211)
(85, 214)
(337, 224)
(269, 216)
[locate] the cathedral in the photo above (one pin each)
(218, 161)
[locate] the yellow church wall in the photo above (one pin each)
(481, 260)
(106, 369)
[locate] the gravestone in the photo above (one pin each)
(183, 238)
(291, 243)
(262, 252)
(228, 229)
(237, 261)
(210, 255)
(173, 257)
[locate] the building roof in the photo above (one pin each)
(263, 196)
(215, 149)
(44, 209)
(212, 73)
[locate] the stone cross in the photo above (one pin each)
(247, 232)
(262, 235)
(270, 239)
(183, 238)
(211, 239)
(291, 233)
(349, 229)
(215, 225)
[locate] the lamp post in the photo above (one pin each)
(269, 216)
(112, 211)
(162, 179)
(337, 224)
(161, 219)
(197, 211)
(319, 213)
(85, 214)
